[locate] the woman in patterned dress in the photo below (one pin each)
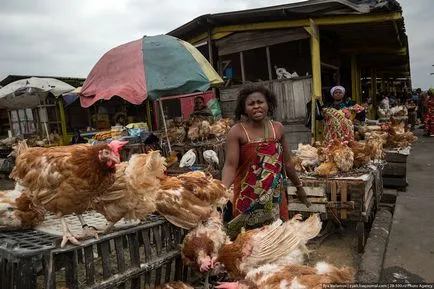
(429, 114)
(257, 161)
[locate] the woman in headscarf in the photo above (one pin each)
(339, 99)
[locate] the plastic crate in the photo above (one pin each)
(144, 255)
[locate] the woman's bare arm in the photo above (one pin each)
(289, 166)
(232, 156)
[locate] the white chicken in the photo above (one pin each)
(211, 158)
(282, 73)
(188, 159)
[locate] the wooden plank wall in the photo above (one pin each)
(292, 96)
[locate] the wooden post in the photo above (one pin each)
(11, 125)
(148, 114)
(267, 51)
(211, 57)
(243, 74)
(354, 81)
(165, 125)
(374, 93)
(316, 72)
(210, 50)
(359, 85)
(382, 85)
(63, 122)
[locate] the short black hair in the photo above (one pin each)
(200, 97)
(248, 90)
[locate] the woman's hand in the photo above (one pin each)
(302, 196)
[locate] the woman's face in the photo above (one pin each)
(256, 106)
(338, 94)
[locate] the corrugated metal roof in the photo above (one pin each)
(300, 10)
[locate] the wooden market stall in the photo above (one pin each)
(301, 50)
(48, 115)
(340, 42)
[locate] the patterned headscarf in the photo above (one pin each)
(334, 88)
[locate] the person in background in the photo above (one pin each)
(392, 99)
(429, 114)
(121, 119)
(412, 114)
(339, 99)
(77, 138)
(256, 163)
(200, 108)
(416, 99)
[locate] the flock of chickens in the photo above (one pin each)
(197, 128)
(78, 178)
(344, 151)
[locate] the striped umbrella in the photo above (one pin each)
(153, 66)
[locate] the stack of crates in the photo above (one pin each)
(142, 256)
(395, 169)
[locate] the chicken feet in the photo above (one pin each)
(88, 231)
(67, 235)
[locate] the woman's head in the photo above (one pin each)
(337, 92)
(255, 102)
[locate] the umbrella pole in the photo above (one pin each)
(46, 131)
(165, 126)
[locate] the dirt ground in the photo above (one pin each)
(339, 249)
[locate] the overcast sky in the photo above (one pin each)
(66, 38)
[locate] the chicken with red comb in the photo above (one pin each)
(65, 179)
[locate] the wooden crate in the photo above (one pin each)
(395, 169)
(144, 255)
(342, 199)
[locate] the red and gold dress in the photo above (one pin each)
(429, 116)
(259, 195)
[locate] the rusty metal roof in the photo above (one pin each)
(292, 11)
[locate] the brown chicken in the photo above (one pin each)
(327, 169)
(189, 198)
(376, 141)
(276, 243)
(274, 276)
(64, 180)
(18, 211)
(132, 196)
(199, 129)
(362, 153)
(398, 134)
(341, 155)
(221, 127)
(176, 133)
(174, 285)
(201, 245)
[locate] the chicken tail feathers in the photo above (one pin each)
(21, 147)
(310, 228)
